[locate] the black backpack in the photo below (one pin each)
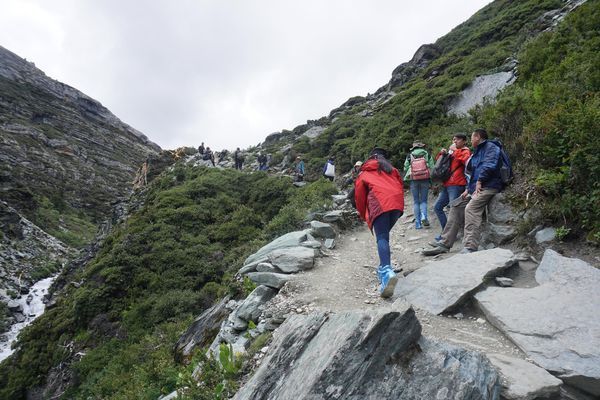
(506, 171)
(441, 170)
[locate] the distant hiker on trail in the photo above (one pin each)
(201, 148)
(238, 158)
(208, 155)
(484, 181)
(417, 169)
(379, 197)
(458, 154)
(329, 169)
(354, 173)
(262, 162)
(299, 169)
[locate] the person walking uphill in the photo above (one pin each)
(238, 158)
(329, 169)
(452, 187)
(417, 169)
(484, 181)
(379, 197)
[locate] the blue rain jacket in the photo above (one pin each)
(484, 166)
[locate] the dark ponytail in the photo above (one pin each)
(382, 164)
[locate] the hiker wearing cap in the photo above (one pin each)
(379, 197)
(356, 170)
(299, 169)
(353, 174)
(417, 169)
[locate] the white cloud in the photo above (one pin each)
(224, 72)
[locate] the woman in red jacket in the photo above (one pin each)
(455, 184)
(379, 197)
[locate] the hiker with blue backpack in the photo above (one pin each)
(417, 169)
(450, 170)
(488, 172)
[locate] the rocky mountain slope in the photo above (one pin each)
(113, 327)
(61, 151)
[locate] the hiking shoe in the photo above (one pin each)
(388, 281)
(439, 249)
(425, 222)
(435, 243)
(466, 250)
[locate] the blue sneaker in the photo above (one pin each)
(388, 280)
(438, 238)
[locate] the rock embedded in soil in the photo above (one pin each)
(557, 323)
(366, 355)
(442, 285)
(523, 380)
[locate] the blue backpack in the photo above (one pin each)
(506, 171)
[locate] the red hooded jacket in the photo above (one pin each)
(376, 192)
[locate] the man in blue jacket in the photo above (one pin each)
(483, 177)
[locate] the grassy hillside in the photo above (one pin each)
(171, 260)
(548, 120)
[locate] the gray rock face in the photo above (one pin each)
(270, 279)
(291, 239)
(314, 132)
(322, 230)
(249, 309)
(358, 355)
(202, 330)
(523, 380)
(485, 87)
(555, 323)
(545, 235)
(293, 259)
(441, 285)
(266, 267)
(55, 140)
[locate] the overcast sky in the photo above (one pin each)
(224, 72)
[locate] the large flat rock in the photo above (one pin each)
(362, 355)
(442, 285)
(557, 323)
(522, 380)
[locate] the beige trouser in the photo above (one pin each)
(470, 214)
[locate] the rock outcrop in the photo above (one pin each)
(59, 143)
(442, 285)
(556, 323)
(362, 355)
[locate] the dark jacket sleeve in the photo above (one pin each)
(489, 164)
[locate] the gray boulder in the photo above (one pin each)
(329, 243)
(202, 330)
(270, 279)
(442, 285)
(545, 235)
(293, 259)
(359, 355)
(522, 380)
(334, 216)
(322, 230)
(266, 267)
(555, 323)
(291, 239)
(249, 309)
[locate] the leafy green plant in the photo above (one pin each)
(562, 232)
